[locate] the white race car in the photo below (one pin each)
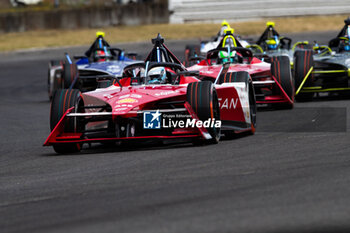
(201, 49)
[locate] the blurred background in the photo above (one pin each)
(135, 12)
(57, 3)
(67, 22)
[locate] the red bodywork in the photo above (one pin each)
(116, 113)
(259, 71)
(129, 102)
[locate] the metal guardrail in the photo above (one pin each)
(183, 11)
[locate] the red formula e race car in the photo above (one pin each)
(155, 99)
(273, 82)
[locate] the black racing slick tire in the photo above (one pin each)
(62, 100)
(303, 61)
(281, 70)
(203, 98)
(231, 77)
(70, 72)
(302, 46)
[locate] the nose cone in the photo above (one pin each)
(123, 100)
(125, 103)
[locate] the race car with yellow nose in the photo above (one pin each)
(158, 99)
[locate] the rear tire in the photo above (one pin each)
(203, 99)
(52, 82)
(302, 46)
(62, 100)
(70, 71)
(303, 61)
(280, 69)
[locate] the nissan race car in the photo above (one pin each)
(325, 68)
(273, 83)
(140, 105)
(96, 68)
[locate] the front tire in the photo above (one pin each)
(203, 99)
(62, 100)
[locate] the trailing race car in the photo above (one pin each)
(273, 83)
(271, 43)
(96, 68)
(325, 68)
(155, 99)
(204, 46)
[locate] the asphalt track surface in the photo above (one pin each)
(293, 175)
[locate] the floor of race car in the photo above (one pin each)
(292, 176)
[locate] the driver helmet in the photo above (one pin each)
(272, 43)
(100, 56)
(223, 55)
(346, 42)
(157, 75)
(228, 41)
(346, 45)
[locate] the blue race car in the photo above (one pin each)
(99, 67)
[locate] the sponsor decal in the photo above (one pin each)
(228, 103)
(127, 100)
(136, 96)
(165, 93)
(123, 105)
(108, 96)
(113, 69)
(151, 120)
(124, 96)
(132, 96)
(191, 123)
(155, 120)
(120, 109)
